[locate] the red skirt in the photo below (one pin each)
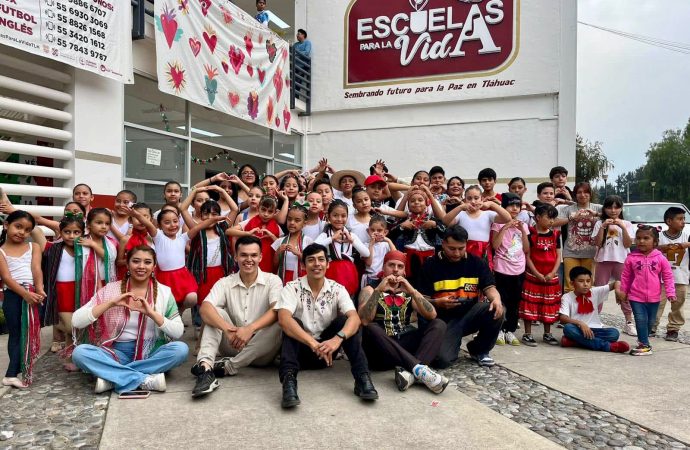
(345, 273)
(213, 274)
(419, 256)
(540, 300)
(180, 281)
(482, 250)
(65, 296)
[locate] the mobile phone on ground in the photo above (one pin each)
(135, 394)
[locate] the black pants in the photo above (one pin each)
(419, 346)
(465, 321)
(12, 308)
(510, 289)
(295, 355)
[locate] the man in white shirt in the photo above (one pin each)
(318, 317)
(579, 314)
(241, 322)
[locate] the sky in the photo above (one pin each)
(629, 93)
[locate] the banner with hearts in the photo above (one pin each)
(216, 55)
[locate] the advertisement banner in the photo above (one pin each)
(411, 40)
(93, 35)
(216, 55)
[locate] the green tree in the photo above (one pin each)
(668, 164)
(590, 161)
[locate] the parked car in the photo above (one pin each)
(652, 213)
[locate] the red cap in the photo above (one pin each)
(371, 179)
(395, 255)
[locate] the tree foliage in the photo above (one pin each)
(590, 161)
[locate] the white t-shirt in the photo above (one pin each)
(170, 252)
(613, 249)
(569, 306)
(380, 250)
(313, 231)
(124, 228)
(677, 258)
(213, 258)
(291, 261)
(66, 270)
(478, 229)
(419, 244)
(358, 228)
(131, 330)
(338, 195)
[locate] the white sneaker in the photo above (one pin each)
(434, 381)
(155, 382)
(403, 379)
(102, 386)
(629, 329)
(501, 339)
(511, 339)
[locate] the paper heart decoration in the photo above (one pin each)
(278, 83)
(205, 5)
(287, 82)
(169, 25)
(211, 41)
(250, 70)
(284, 54)
(225, 66)
(253, 104)
(262, 75)
(269, 110)
(278, 121)
(248, 44)
(261, 39)
(271, 49)
(286, 118)
(236, 58)
(195, 45)
(234, 98)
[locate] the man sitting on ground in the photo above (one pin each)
(318, 317)
(241, 323)
(389, 339)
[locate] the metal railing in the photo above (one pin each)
(300, 74)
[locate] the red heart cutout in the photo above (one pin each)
(225, 66)
(287, 82)
(234, 98)
(211, 41)
(262, 75)
(269, 110)
(278, 83)
(195, 45)
(248, 44)
(278, 121)
(205, 5)
(250, 70)
(236, 58)
(169, 25)
(286, 118)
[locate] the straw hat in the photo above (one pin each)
(358, 176)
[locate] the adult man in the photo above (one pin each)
(303, 45)
(318, 317)
(455, 280)
(240, 320)
(389, 339)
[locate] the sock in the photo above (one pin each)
(426, 375)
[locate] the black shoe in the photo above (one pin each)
(218, 369)
(205, 384)
(290, 397)
(364, 388)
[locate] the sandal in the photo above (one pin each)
(56, 346)
(14, 382)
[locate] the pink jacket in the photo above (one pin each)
(643, 274)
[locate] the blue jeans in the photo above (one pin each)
(126, 374)
(12, 309)
(601, 341)
(645, 316)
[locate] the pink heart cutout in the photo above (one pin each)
(234, 98)
(250, 70)
(195, 45)
(211, 41)
(262, 75)
(236, 58)
(286, 118)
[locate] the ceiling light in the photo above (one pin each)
(287, 155)
(280, 23)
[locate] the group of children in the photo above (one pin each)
(359, 219)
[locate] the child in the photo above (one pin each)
(83, 195)
(340, 242)
(261, 14)
(559, 177)
(346, 180)
(97, 254)
(253, 199)
(541, 289)
(546, 193)
(172, 192)
(324, 189)
(613, 237)
(358, 223)
(314, 225)
(579, 313)
(455, 189)
(476, 216)
(288, 251)
(200, 196)
(138, 237)
(437, 181)
(518, 186)
(510, 242)
(270, 185)
(20, 270)
(265, 227)
(121, 225)
(225, 182)
(59, 272)
(379, 246)
(644, 270)
(673, 243)
(487, 180)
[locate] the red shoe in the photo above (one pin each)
(565, 342)
(620, 347)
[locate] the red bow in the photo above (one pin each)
(392, 299)
(584, 304)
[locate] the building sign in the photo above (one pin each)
(400, 41)
(94, 35)
(216, 55)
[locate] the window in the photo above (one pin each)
(218, 128)
(147, 106)
(156, 157)
(288, 148)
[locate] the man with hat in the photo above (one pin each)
(389, 339)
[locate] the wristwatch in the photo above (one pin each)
(341, 335)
